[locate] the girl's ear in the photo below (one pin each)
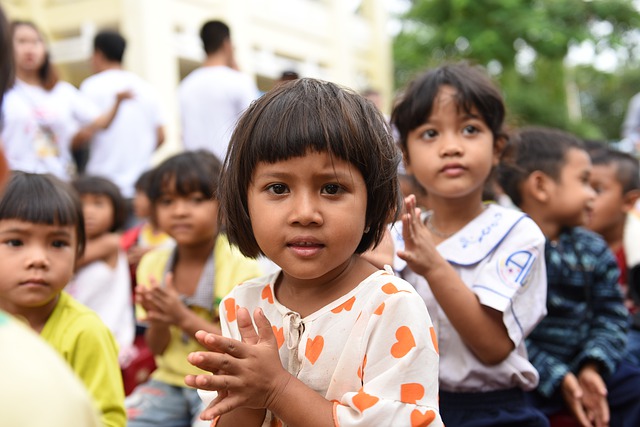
(629, 200)
(537, 186)
(406, 162)
(498, 146)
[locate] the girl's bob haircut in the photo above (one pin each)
(474, 90)
(98, 185)
(43, 199)
(185, 173)
(309, 116)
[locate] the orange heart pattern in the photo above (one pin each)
(267, 294)
(389, 289)
(411, 392)
(434, 338)
(418, 419)
(347, 305)
(275, 422)
(404, 344)
(230, 307)
(363, 401)
(279, 333)
(314, 348)
(379, 310)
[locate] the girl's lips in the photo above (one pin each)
(305, 248)
(453, 170)
(34, 282)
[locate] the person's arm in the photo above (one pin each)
(160, 136)
(103, 121)
(631, 124)
(609, 319)
(473, 321)
(169, 309)
(95, 361)
(382, 254)
(100, 248)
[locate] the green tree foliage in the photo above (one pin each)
(523, 44)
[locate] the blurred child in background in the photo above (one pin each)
(578, 347)
(180, 288)
(41, 237)
(615, 177)
(479, 267)
(102, 282)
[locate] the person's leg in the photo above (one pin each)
(156, 404)
(633, 347)
(623, 394)
(491, 409)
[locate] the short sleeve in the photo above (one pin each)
(94, 358)
(513, 280)
(513, 266)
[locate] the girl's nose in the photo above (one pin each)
(306, 211)
(450, 146)
(180, 207)
(37, 257)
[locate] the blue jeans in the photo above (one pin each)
(157, 404)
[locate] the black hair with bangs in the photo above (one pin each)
(185, 173)
(100, 186)
(43, 199)
(474, 89)
(305, 116)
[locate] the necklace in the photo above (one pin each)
(432, 228)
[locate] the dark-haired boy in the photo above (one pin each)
(213, 96)
(577, 349)
(616, 180)
(122, 151)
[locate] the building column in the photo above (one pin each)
(342, 64)
(150, 53)
(237, 18)
(381, 68)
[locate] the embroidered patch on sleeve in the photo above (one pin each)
(514, 269)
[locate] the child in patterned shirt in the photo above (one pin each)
(310, 182)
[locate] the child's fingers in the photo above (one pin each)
(220, 344)
(168, 281)
(264, 327)
(245, 326)
(215, 363)
(222, 404)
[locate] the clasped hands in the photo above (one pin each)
(246, 374)
(586, 397)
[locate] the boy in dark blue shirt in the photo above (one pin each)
(577, 349)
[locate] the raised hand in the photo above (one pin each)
(247, 373)
(419, 248)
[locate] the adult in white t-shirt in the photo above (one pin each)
(42, 116)
(213, 96)
(123, 151)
